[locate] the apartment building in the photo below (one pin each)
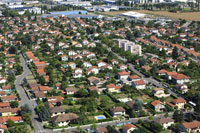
(127, 45)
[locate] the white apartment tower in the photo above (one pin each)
(127, 45)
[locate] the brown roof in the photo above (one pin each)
(179, 100)
(44, 88)
(134, 77)
(128, 126)
(156, 102)
(71, 89)
(39, 94)
(123, 73)
(139, 82)
(179, 76)
(4, 104)
(194, 124)
(65, 117)
(13, 110)
(130, 104)
(56, 110)
(164, 120)
(117, 109)
(102, 130)
(10, 97)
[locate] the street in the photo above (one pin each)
(24, 97)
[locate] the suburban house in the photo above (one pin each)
(2, 128)
(114, 62)
(117, 111)
(180, 79)
(179, 103)
(94, 80)
(9, 98)
(139, 84)
(4, 104)
(182, 87)
(64, 119)
(55, 99)
(9, 111)
(72, 65)
(15, 119)
(133, 78)
(122, 66)
(39, 94)
(93, 88)
(165, 122)
(56, 111)
(159, 92)
(101, 64)
(158, 106)
(70, 91)
(123, 75)
(162, 72)
(92, 69)
(128, 128)
(101, 130)
(87, 64)
(44, 89)
(190, 127)
(170, 74)
(64, 58)
(112, 88)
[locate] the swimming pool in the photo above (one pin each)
(100, 117)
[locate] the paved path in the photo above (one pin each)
(24, 97)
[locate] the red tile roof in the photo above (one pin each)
(128, 126)
(194, 124)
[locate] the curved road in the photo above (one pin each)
(24, 97)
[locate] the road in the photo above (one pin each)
(24, 97)
(148, 80)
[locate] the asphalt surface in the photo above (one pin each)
(24, 97)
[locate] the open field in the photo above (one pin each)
(187, 15)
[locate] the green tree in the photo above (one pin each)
(175, 53)
(14, 104)
(10, 123)
(25, 109)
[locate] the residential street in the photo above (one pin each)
(24, 97)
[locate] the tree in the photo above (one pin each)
(14, 104)
(11, 78)
(10, 123)
(93, 126)
(178, 116)
(175, 53)
(137, 105)
(13, 50)
(81, 93)
(25, 109)
(112, 129)
(154, 70)
(27, 118)
(93, 93)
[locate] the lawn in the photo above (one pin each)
(186, 15)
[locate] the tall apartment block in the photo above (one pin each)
(127, 45)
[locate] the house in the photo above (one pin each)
(64, 119)
(180, 79)
(94, 80)
(101, 63)
(169, 75)
(122, 66)
(87, 64)
(159, 92)
(112, 88)
(92, 69)
(2, 93)
(9, 111)
(2, 128)
(182, 87)
(94, 88)
(15, 119)
(4, 104)
(162, 72)
(165, 122)
(55, 99)
(179, 103)
(44, 89)
(72, 65)
(128, 128)
(139, 84)
(117, 111)
(64, 58)
(41, 72)
(77, 56)
(56, 111)
(123, 75)
(101, 130)
(190, 127)
(9, 98)
(158, 106)
(71, 91)
(114, 62)
(133, 78)
(39, 95)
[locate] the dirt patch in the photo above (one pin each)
(187, 15)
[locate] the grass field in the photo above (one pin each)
(187, 15)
